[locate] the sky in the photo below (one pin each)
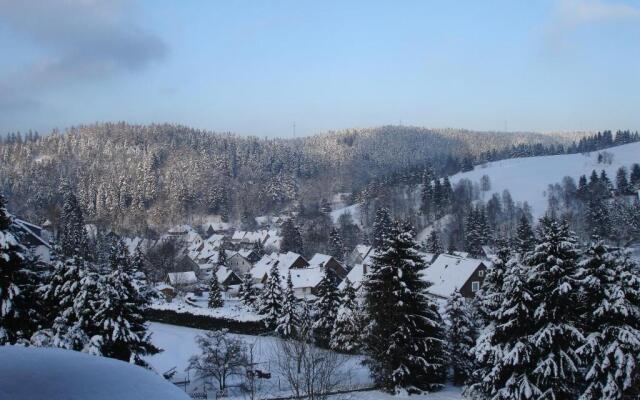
(261, 67)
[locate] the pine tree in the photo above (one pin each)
(258, 248)
(555, 335)
(622, 183)
(16, 308)
(473, 233)
(426, 195)
(73, 237)
(291, 238)
(598, 218)
(525, 238)
(271, 298)
(325, 310)
(222, 256)
(248, 292)
(347, 327)
(490, 296)
(434, 245)
(610, 300)
(460, 338)
(405, 338)
(381, 227)
(336, 246)
(634, 177)
(215, 295)
(71, 295)
(289, 322)
(504, 355)
(119, 312)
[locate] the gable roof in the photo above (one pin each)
(449, 273)
(305, 277)
(363, 250)
(284, 261)
(32, 231)
(182, 278)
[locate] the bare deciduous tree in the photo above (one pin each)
(221, 357)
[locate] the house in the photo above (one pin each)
(185, 278)
(450, 273)
(226, 276)
(283, 261)
(329, 263)
(358, 254)
(34, 238)
(238, 261)
(305, 280)
(186, 263)
(356, 275)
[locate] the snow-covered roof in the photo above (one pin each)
(462, 254)
(180, 230)
(238, 235)
(449, 273)
(319, 259)
(356, 276)
(182, 278)
(51, 373)
(305, 277)
(363, 250)
(163, 286)
(284, 260)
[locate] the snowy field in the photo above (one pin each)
(232, 308)
(528, 178)
(179, 345)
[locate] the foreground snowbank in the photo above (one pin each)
(35, 373)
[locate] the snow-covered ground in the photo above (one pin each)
(353, 209)
(179, 345)
(528, 178)
(37, 373)
(232, 308)
(448, 393)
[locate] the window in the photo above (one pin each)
(481, 273)
(475, 286)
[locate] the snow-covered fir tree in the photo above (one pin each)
(271, 298)
(215, 294)
(336, 246)
(73, 236)
(489, 298)
(222, 256)
(405, 339)
(347, 327)
(460, 338)
(248, 292)
(325, 309)
(119, 312)
(504, 355)
(291, 237)
(289, 322)
(434, 245)
(16, 285)
(525, 239)
(71, 294)
(381, 227)
(610, 298)
(555, 334)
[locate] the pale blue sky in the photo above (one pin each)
(255, 67)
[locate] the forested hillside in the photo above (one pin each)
(133, 177)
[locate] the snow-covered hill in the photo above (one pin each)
(528, 178)
(35, 373)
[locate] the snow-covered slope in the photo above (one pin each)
(33, 373)
(528, 178)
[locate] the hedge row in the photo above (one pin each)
(206, 322)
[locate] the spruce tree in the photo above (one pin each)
(555, 335)
(289, 322)
(426, 195)
(215, 295)
(325, 310)
(489, 298)
(610, 300)
(73, 236)
(622, 183)
(525, 239)
(405, 338)
(119, 312)
(271, 298)
(291, 238)
(16, 282)
(634, 176)
(248, 292)
(336, 246)
(381, 227)
(460, 338)
(434, 245)
(345, 336)
(473, 232)
(222, 256)
(504, 354)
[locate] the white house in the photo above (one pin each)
(283, 261)
(449, 273)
